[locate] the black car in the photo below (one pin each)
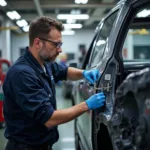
(120, 46)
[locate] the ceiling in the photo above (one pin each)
(30, 9)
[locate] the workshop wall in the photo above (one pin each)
(5, 39)
(70, 43)
(1, 43)
(144, 41)
(18, 42)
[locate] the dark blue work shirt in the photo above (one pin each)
(29, 100)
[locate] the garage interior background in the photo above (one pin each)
(14, 27)
(15, 16)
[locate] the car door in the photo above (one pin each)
(85, 88)
(78, 94)
(128, 102)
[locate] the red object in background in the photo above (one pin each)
(1, 112)
(4, 66)
(125, 51)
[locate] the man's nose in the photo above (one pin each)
(59, 50)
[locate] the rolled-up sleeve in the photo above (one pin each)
(59, 71)
(31, 96)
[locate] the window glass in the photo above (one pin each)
(99, 48)
(88, 55)
(137, 42)
(5, 67)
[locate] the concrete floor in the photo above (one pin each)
(66, 140)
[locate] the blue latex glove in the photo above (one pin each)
(91, 75)
(96, 101)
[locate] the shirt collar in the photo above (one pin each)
(33, 61)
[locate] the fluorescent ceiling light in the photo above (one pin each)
(68, 32)
(13, 15)
(3, 3)
(84, 1)
(69, 26)
(71, 16)
(26, 28)
(144, 13)
(77, 1)
(81, 1)
(22, 23)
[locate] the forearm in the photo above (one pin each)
(74, 74)
(66, 115)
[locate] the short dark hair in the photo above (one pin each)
(41, 26)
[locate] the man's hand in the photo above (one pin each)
(91, 75)
(64, 115)
(96, 101)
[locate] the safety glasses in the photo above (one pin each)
(57, 44)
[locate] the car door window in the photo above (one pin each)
(136, 47)
(87, 58)
(98, 50)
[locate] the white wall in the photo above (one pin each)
(5, 37)
(142, 40)
(1, 41)
(70, 43)
(18, 41)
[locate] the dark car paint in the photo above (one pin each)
(111, 65)
(67, 85)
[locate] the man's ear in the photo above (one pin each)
(37, 43)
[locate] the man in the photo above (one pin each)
(29, 90)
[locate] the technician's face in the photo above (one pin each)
(51, 47)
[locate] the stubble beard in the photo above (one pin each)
(46, 58)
